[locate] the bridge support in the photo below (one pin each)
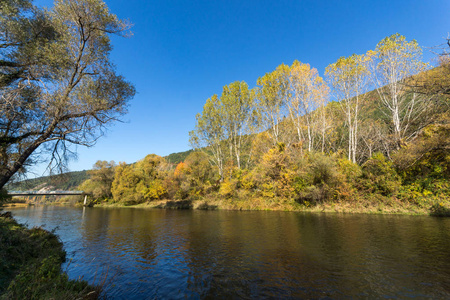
(85, 200)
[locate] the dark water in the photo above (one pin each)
(167, 254)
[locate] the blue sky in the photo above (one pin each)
(182, 52)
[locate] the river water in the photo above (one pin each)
(170, 254)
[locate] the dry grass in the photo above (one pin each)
(371, 206)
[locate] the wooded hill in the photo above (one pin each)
(64, 182)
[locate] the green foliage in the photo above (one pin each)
(428, 156)
(424, 166)
(140, 182)
(30, 265)
(100, 182)
(379, 176)
(317, 178)
(57, 79)
(440, 210)
(176, 158)
(4, 196)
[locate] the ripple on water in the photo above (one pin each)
(216, 254)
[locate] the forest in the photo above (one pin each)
(372, 132)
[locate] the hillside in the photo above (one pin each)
(66, 181)
(177, 157)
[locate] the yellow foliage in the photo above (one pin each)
(180, 169)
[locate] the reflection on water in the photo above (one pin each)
(228, 254)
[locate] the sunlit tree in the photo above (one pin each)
(237, 103)
(349, 78)
(395, 61)
(271, 95)
(210, 133)
(307, 93)
(57, 84)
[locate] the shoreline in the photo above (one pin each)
(391, 207)
(400, 208)
(30, 265)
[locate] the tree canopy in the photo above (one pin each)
(57, 84)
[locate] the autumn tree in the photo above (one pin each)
(349, 79)
(199, 176)
(307, 93)
(101, 178)
(395, 61)
(210, 132)
(140, 182)
(58, 86)
(271, 105)
(237, 103)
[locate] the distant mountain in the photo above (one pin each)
(66, 182)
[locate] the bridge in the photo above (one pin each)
(48, 193)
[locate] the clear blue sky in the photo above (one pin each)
(182, 52)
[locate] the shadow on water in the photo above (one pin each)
(180, 204)
(206, 206)
(439, 210)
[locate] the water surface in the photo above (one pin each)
(148, 254)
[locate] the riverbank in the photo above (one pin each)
(393, 206)
(30, 265)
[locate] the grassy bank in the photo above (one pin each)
(392, 206)
(30, 265)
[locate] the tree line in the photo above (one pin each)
(374, 129)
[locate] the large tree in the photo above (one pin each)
(57, 84)
(395, 62)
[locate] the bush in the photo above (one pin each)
(228, 188)
(317, 179)
(379, 176)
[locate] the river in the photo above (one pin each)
(170, 254)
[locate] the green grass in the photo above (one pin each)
(30, 265)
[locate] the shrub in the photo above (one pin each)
(228, 188)
(379, 176)
(317, 179)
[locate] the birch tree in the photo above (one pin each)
(210, 133)
(306, 99)
(395, 61)
(349, 80)
(271, 95)
(237, 101)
